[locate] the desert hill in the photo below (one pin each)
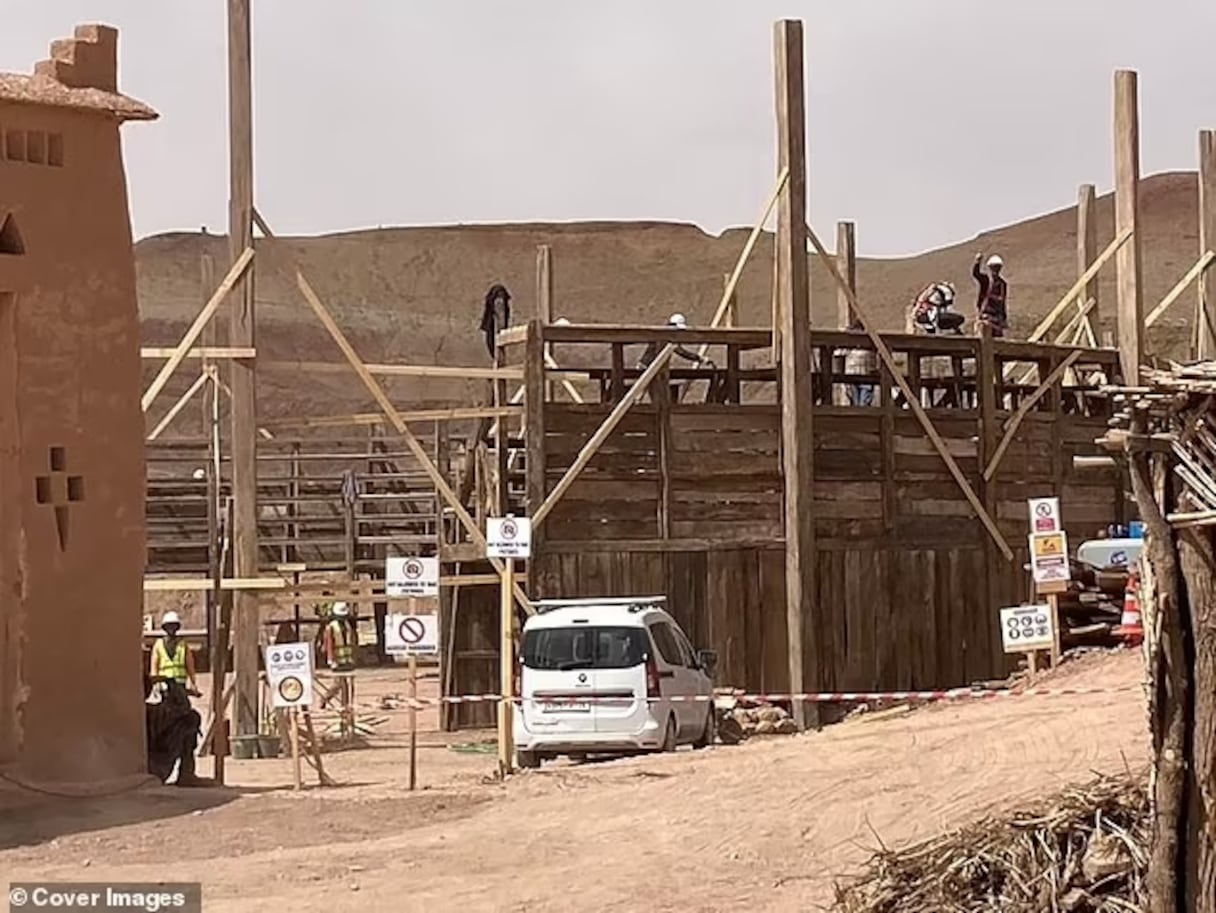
(414, 294)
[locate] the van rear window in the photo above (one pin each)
(584, 648)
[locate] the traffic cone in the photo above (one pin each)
(1131, 628)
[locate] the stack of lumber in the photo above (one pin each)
(1093, 606)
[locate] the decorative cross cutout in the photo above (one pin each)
(59, 490)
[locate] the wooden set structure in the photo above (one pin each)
(814, 543)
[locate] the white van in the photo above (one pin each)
(597, 676)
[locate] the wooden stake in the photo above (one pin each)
(413, 673)
(1083, 280)
(1198, 271)
(177, 407)
(544, 300)
(846, 263)
(294, 727)
(1205, 321)
(314, 747)
(235, 275)
(506, 740)
(797, 390)
(1127, 214)
(1053, 601)
(1015, 420)
(241, 376)
(1087, 246)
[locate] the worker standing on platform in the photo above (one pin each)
(991, 302)
(496, 316)
(676, 322)
(171, 656)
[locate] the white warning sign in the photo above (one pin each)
(289, 674)
(508, 537)
(1027, 627)
(405, 577)
(416, 635)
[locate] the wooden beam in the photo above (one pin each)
(544, 301)
(386, 370)
(242, 376)
(459, 414)
(884, 354)
(733, 282)
(1205, 317)
(846, 262)
(1082, 281)
(204, 352)
(1130, 299)
(797, 391)
(534, 458)
(1015, 420)
(177, 407)
(601, 434)
(178, 354)
(1195, 272)
(1087, 248)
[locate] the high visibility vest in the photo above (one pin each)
(344, 648)
(170, 666)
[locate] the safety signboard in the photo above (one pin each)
(1045, 515)
(1049, 563)
(1027, 627)
(508, 537)
(405, 577)
(411, 634)
(289, 674)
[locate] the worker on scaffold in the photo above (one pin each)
(992, 298)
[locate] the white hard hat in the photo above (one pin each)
(341, 609)
(170, 618)
(561, 322)
(995, 260)
(200, 474)
(947, 290)
(677, 320)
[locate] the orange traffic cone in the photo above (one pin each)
(1131, 628)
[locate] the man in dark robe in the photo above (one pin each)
(496, 316)
(173, 729)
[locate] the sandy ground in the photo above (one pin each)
(768, 825)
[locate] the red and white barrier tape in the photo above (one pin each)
(823, 697)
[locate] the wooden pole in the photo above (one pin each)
(1205, 318)
(544, 299)
(506, 739)
(731, 318)
(535, 480)
(1087, 248)
(293, 717)
(1130, 299)
(413, 671)
(846, 262)
(793, 293)
(242, 381)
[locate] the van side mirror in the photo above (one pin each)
(708, 660)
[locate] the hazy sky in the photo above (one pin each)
(928, 120)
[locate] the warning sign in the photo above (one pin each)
(508, 537)
(289, 674)
(405, 577)
(1027, 627)
(416, 635)
(1045, 515)
(1049, 560)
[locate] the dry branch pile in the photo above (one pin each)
(1084, 852)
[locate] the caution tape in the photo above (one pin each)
(820, 697)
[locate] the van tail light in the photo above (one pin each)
(653, 686)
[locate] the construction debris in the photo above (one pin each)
(1084, 852)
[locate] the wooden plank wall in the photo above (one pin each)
(902, 567)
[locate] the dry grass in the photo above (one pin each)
(1083, 852)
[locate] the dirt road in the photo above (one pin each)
(768, 825)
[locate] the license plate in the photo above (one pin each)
(565, 707)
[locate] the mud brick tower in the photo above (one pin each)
(71, 428)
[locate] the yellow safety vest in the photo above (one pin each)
(344, 648)
(171, 666)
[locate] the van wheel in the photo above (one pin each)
(527, 760)
(669, 736)
(706, 738)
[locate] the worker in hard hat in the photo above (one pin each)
(340, 639)
(171, 656)
(678, 322)
(991, 304)
(931, 311)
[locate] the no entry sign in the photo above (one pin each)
(411, 634)
(508, 537)
(404, 577)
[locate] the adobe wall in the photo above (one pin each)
(71, 456)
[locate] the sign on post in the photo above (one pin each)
(508, 537)
(1049, 565)
(289, 674)
(1028, 627)
(406, 577)
(411, 635)
(1045, 515)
